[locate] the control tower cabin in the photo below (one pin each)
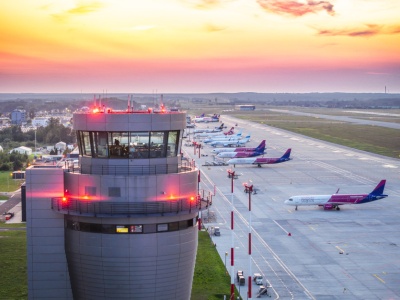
(123, 225)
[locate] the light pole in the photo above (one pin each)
(231, 175)
(35, 141)
(226, 254)
(249, 190)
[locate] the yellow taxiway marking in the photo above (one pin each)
(380, 279)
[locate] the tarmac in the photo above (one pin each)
(12, 205)
(310, 253)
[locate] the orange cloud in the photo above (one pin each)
(80, 9)
(85, 8)
(296, 8)
(213, 28)
(206, 4)
(369, 30)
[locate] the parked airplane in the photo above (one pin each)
(230, 142)
(259, 148)
(198, 119)
(239, 154)
(214, 118)
(212, 132)
(223, 137)
(260, 160)
(203, 118)
(333, 201)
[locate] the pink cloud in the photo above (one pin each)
(296, 8)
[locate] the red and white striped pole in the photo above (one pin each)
(199, 198)
(231, 174)
(249, 189)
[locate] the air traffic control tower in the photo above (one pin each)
(123, 225)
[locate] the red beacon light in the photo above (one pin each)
(64, 199)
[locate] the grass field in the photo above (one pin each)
(210, 279)
(7, 184)
(13, 270)
(210, 282)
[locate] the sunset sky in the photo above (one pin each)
(193, 46)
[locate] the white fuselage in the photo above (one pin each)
(219, 150)
(225, 138)
(303, 200)
(229, 142)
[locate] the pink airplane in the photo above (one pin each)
(260, 160)
(333, 201)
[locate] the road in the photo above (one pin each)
(309, 253)
(15, 198)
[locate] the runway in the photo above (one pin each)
(309, 253)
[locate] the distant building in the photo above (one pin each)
(18, 116)
(61, 146)
(18, 175)
(4, 121)
(40, 121)
(22, 150)
(245, 107)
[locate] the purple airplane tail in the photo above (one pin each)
(378, 190)
(286, 156)
(261, 147)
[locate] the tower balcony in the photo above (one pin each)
(84, 207)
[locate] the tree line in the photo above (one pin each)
(13, 137)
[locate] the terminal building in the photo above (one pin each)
(124, 224)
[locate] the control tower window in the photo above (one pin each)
(132, 145)
(118, 143)
(139, 145)
(157, 142)
(100, 142)
(172, 146)
(87, 151)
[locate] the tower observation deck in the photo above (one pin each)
(123, 225)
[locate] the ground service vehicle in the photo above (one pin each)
(217, 232)
(240, 277)
(258, 278)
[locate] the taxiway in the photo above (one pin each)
(310, 253)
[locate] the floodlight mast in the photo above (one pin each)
(249, 190)
(231, 174)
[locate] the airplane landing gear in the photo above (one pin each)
(295, 208)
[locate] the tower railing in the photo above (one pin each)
(84, 207)
(129, 170)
